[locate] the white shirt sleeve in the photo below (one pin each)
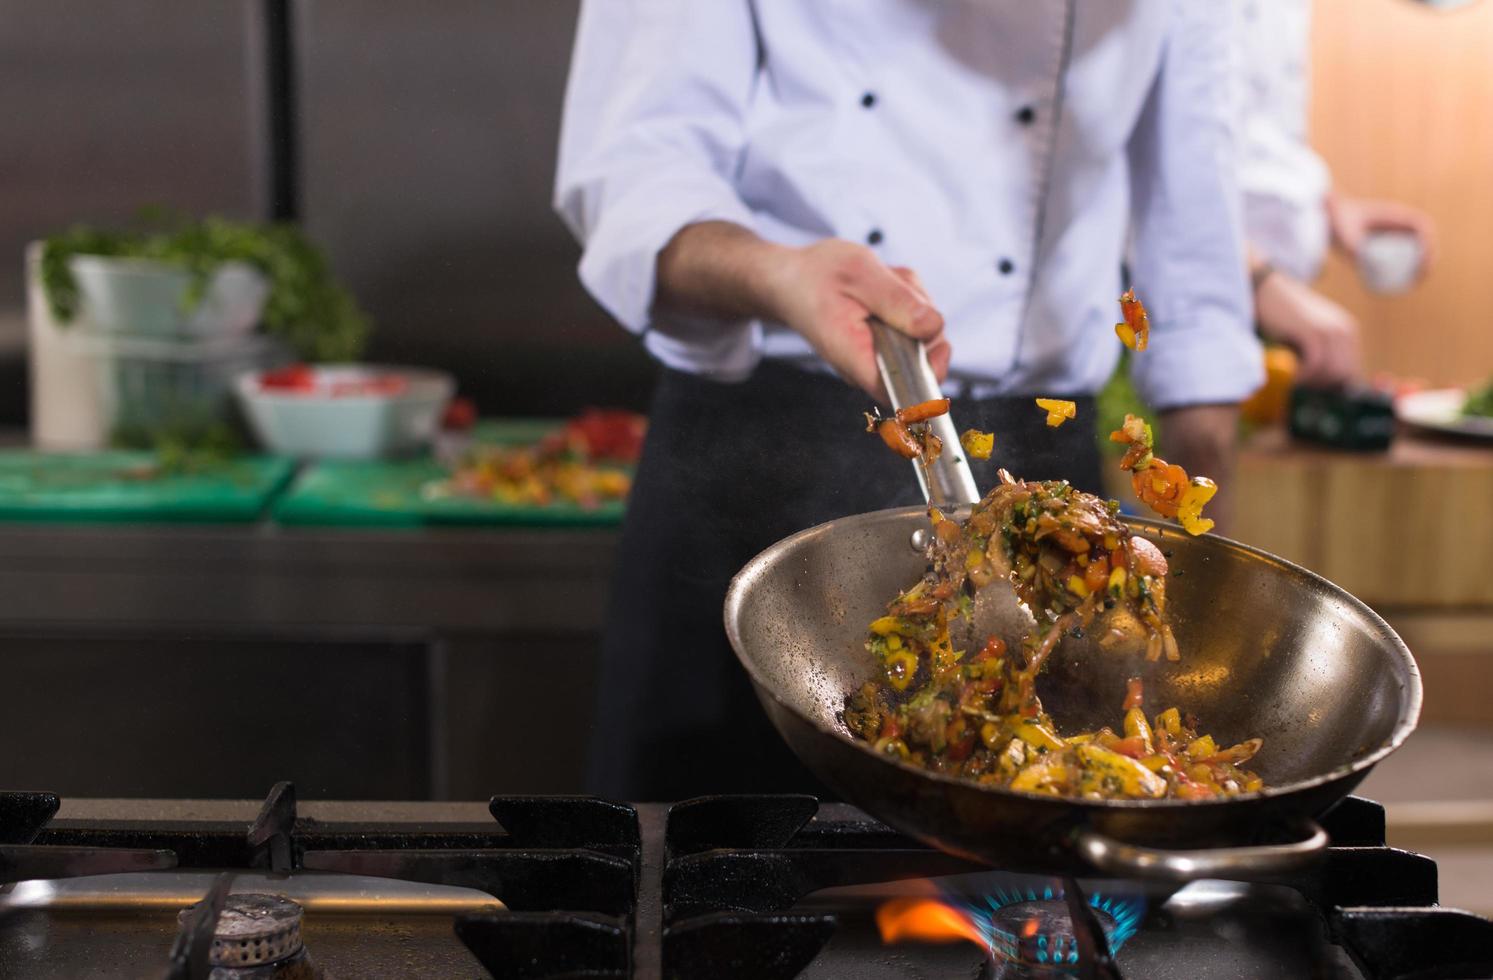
(1189, 263)
(1284, 181)
(652, 135)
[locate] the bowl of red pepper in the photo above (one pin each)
(345, 411)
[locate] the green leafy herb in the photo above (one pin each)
(1480, 401)
(306, 308)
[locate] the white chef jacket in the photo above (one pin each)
(1285, 183)
(1002, 148)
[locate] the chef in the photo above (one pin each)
(751, 179)
(1293, 211)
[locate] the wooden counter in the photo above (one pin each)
(1408, 527)
(1409, 531)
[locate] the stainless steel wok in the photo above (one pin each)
(1268, 650)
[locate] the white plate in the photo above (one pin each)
(1441, 411)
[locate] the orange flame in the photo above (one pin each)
(924, 920)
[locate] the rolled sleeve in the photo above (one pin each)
(620, 261)
(652, 136)
(1189, 261)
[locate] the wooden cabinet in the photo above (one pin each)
(1409, 532)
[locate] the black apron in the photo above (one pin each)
(727, 470)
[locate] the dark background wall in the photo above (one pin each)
(428, 135)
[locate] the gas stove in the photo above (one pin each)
(723, 887)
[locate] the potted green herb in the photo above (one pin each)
(198, 278)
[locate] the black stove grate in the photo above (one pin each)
(547, 945)
(711, 887)
(23, 815)
(1416, 943)
(567, 866)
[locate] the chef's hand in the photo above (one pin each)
(825, 291)
(1202, 440)
(1353, 219)
(1323, 334)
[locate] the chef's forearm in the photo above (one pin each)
(719, 269)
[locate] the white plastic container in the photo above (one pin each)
(65, 415)
(321, 424)
(1389, 261)
(149, 298)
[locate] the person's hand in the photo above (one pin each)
(1202, 439)
(1353, 219)
(1323, 334)
(826, 290)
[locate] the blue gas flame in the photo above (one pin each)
(1119, 914)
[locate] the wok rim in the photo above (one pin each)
(1404, 726)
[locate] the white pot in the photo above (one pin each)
(143, 296)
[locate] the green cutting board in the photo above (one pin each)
(390, 493)
(121, 487)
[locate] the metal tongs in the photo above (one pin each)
(909, 379)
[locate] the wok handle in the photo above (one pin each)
(903, 363)
(1229, 863)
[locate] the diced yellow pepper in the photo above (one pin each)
(893, 642)
(1170, 721)
(900, 668)
(979, 445)
(1117, 578)
(1038, 736)
(1106, 771)
(1155, 763)
(1077, 586)
(1047, 776)
(1137, 726)
(1201, 748)
(885, 625)
(1058, 411)
(1190, 508)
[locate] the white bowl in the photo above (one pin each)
(318, 424)
(143, 296)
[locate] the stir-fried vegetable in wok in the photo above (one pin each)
(977, 715)
(1162, 486)
(1070, 560)
(971, 720)
(1135, 332)
(1058, 410)
(907, 433)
